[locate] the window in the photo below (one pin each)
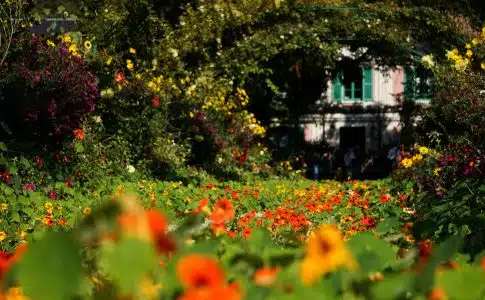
(418, 83)
(353, 84)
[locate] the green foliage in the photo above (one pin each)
(56, 253)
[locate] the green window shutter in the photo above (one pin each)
(337, 88)
(367, 84)
(409, 84)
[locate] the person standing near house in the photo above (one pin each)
(348, 159)
(357, 163)
(392, 157)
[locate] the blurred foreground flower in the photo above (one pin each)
(203, 278)
(325, 252)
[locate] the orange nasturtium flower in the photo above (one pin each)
(325, 252)
(222, 292)
(148, 225)
(437, 293)
(79, 134)
(266, 276)
(9, 259)
(196, 271)
(203, 278)
(223, 211)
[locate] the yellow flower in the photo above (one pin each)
(73, 49)
(67, 39)
(4, 206)
(109, 60)
(3, 235)
(437, 171)
(461, 64)
(417, 157)
(149, 289)
(482, 65)
(191, 114)
(50, 43)
(15, 293)
(138, 76)
(48, 205)
(87, 211)
(423, 150)
(469, 53)
(87, 45)
(475, 42)
(132, 50)
(129, 64)
(23, 235)
(407, 163)
(325, 252)
(453, 54)
(468, 46)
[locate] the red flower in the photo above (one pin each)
(156, 102)
(120, 78)
(385, 198)
(68, 182)
(425, 250)
(247, 232)
(79, 134)
(369, 221)
(38, 161)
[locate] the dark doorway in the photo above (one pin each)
(351, 137)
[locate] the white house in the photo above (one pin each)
(362, 106)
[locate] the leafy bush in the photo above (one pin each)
(47, 91)
(447, 189)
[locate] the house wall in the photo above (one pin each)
(381, 130)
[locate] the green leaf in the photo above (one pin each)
(387, 225)
(372, 254)
(462, 284)
(258, 240)
(51, 269)
(79, 147)
(443, 252)
(128, 261)
(13, 170)
(15, 217)
(3, 147)
(392, 287)
(25, 162)
(23, 200)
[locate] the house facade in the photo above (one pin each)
(362, 106)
